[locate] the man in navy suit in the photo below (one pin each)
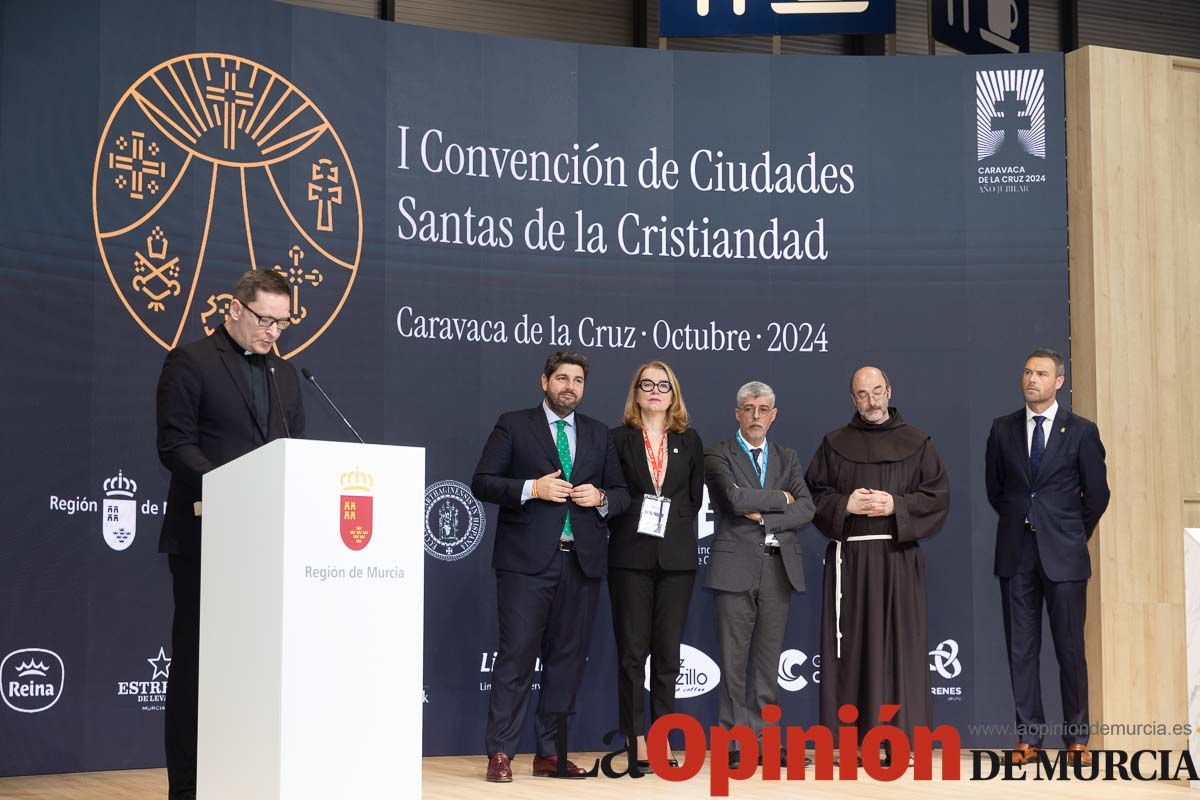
(1046, 479)
(556, 478)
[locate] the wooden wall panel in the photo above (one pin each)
(1132, 143)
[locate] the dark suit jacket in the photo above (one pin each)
(1068, 496)
(522, 448)
(683, 483)
(205, 415)
(736, 551)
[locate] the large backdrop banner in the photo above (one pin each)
(450, 209)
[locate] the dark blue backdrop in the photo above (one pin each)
(930, 269)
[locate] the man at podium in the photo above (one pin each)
(556, 478)
(218, 399)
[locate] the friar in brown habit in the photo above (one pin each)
(879, 487)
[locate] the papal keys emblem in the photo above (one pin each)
(211, 164)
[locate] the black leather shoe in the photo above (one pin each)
(735, 759)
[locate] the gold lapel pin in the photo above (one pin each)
(675, 450)
(1062, 429)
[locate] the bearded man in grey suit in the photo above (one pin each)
(761, 502)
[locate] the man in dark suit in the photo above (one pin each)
(761, 500)
(556, 478)
(218, 398)
(1046, 479)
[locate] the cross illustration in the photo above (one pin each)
(1008, 117)
(147, 270)
(296, 277)
(137, 165)
(324, 188)
(225, 101)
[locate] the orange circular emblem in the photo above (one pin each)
(209, 165)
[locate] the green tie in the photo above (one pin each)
(564, 458)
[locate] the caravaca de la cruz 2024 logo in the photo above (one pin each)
(273, 182)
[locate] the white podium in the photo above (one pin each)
(311, 623)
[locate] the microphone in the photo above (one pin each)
(308, 376)
(279, 401)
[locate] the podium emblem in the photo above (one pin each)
(356, 508)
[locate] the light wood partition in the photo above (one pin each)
(1133, 145)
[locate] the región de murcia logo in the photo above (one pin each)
(275, 185)
(356, 508)
(119, 520)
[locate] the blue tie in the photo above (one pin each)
(1037, 448)
(756, 452)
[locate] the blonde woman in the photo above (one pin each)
(652, 548)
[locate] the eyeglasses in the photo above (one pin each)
(647, 386)
(878, 393)
(266, 322)
(749, 411)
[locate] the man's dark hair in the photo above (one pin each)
(1060, 367)
(565, 357)
(260, 280)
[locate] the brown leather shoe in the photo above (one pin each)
(1079, 752)
(1024, 754)
(499, 769)
(547, 767)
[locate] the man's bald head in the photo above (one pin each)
(871, 392)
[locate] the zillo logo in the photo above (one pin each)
(698, 674)
(214, 152)
(32, 679)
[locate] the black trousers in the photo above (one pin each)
(551, 614)
(649, 609)
(183, 685)
(1022, 596)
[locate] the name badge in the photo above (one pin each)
(653, 520)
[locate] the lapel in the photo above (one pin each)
(1017, 432)
(741, 460)
(774, 468)
(672, 482)
(541, 432)
(635, 453)
(232, 360)
(1060, 428)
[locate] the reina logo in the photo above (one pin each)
(32, 679)
(119, 522)
(356, 508)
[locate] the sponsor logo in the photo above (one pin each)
(698, 674)
(356, 508)
(454, 521)
(1010, 129)
(150, 694)
(705, 519)
(220, 130)
(487, 662)
(792, 671)
(119, 522)
(945, 659)
(32, 679)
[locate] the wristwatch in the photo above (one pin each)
(603, 499)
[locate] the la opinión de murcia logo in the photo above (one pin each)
(32, 678)
(356, 508)
(119, 521)
(454, 521)
(232, 135)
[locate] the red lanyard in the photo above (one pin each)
(657, 465)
